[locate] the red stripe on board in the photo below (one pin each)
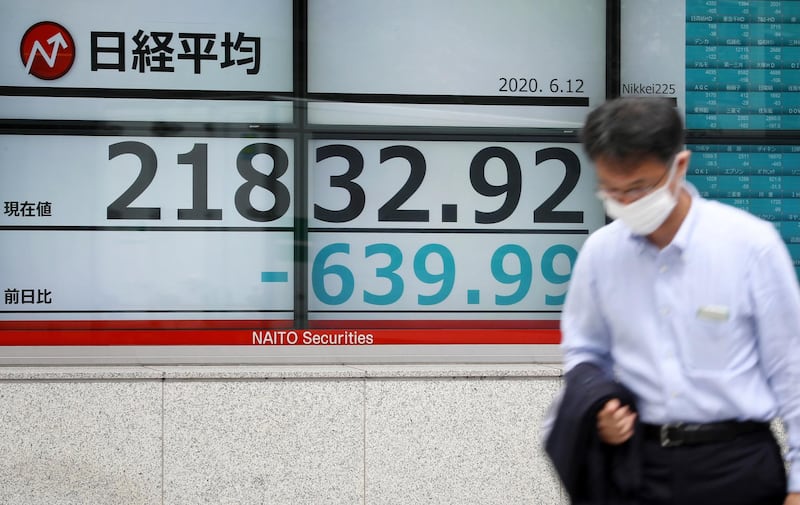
(146, 324)
(231, 324)
(467, 324)
(108, 333)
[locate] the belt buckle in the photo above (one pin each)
(664, 435)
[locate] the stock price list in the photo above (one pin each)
(445, 230)
(761, 179)
(743, 64)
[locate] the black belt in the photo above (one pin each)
(675, 434)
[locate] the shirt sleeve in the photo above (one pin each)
(777, 318)
(584, 333)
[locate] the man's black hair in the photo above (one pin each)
(631, 129)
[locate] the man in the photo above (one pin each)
(695, 307)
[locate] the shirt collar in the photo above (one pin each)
(684, 235)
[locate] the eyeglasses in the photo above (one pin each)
(633, 194)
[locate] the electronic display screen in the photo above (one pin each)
(743, 65)
(159, 236)
(738, 71)
(256, 237)
(438, 63)
(147, 228)
(430, 232)
(763, 179)
(147, 61)
(651, 59)
(351, 173)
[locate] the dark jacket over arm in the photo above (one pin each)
(592, 471)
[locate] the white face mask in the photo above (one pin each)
(645, 215)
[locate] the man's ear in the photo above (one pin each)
(682, 163)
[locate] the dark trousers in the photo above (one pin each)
(746, 471)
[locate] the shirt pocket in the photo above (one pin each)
(708, 340)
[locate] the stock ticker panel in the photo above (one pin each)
(761, 179)
(743, 65)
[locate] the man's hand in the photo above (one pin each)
(615, 425)
(792, 499)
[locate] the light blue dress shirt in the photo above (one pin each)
(706, 329)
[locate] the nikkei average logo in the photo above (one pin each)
(47, 50)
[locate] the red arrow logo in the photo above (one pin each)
(47, 50)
